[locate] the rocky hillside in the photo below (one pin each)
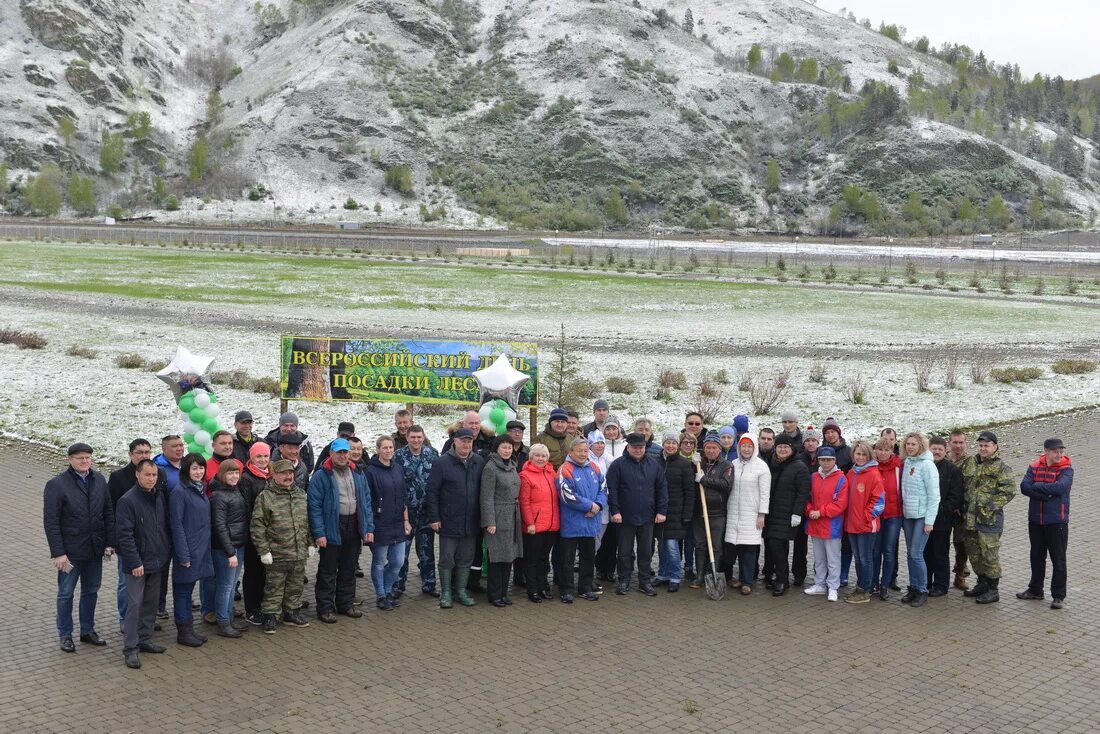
(766, 114)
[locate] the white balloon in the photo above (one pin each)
(202, 438)
(191, 427)
(213, 409)
(202, 399)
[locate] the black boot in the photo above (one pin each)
(185, 635)
(991, 594)
(979, 588)
(910, 594)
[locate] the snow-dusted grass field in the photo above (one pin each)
(118, 299)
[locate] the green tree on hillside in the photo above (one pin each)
(44, 190)
(616, 208)
(66, 128)
(82, 194)
(689, 22)
(755, 58)
(112, 151)
(997, 214)
(198, 160)
(141, 125)
(772, 177)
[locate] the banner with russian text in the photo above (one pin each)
(397, 370)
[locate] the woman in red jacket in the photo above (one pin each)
(885, 571)
(865, 504)
(541, 517)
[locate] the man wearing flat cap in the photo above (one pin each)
(988, 485)
(79, 521)
(637, 499)
(290, 448)
(1047, 483)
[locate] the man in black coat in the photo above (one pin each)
(80, 527)
(938, 550)
(452, 508)
(118, 484)
(637, 498)
(789, 494)
(143, 550)
(680, 476)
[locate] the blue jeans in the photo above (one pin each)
(863, 550)
(225, 581)
(181, 601)
(90, 575)
(207, 593)
(915, 540)
(385, 565)
(120, 592)
(886, 553)
(668, 560)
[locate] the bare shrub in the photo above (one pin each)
(267, 386)
(79, 350)
(1073, 366)
(130, 361)
(855, 388)
(712, 404)
(979, 370)
(708, 388)
(432, 409)
(624, 385)
(721, 377)
(23, 339)
(817, 373)
(783, 377)
(672, 379)
(922, 371)
(1010, 375)
(211, 66)
(744, 382)
(765, 395)
(951, 369)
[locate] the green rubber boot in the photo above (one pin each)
(462, 575)
(445, 600)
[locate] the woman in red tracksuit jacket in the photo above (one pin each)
(884, 574)
(861, 521)
(541, 516)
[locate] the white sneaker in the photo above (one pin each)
(816, 590)
(832, 594)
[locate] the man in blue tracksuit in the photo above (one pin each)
(637, 498)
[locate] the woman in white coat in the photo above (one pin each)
(748, 505)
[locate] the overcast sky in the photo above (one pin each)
(1053, 37)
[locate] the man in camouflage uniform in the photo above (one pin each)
(988, 486)
(280, 532)
(417, 457)
(957, 455)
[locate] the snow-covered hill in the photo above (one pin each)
(520, 110)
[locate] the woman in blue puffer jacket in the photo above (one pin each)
(920, 502)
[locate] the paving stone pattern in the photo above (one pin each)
(674, 662)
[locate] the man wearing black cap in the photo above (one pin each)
(290, 448)
(79, 521)
(1047, 483)
(600, 410)
(519, 450)
(988, 486)
(452, 506)
(344, 430)
(637, 498)
(288, 424)
(243, 437)
(555, 438)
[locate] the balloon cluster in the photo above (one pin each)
(495, 415)
(201, 411)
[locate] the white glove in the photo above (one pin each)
(699, 476)
(312, 551)
(796, 520)
(267, 559)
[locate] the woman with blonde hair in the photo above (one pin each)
(920, 502)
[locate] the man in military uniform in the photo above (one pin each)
(417, 457)
(988, 486)
(280, 532)
(957, 455)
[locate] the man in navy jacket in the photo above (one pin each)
(1047, 483)
(144, 547)
(637, 498)
(80, 526)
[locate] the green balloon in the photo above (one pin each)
(193, 448)
(189, 438)
(187, 403)
(197, 416)
(213, 398)
(496, 416)
(210, 424)
(206, 452)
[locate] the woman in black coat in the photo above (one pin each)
(680, 475)
(790, 492)
(230, 514)
(716, 477)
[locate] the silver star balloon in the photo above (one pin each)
(184, 363)
(501, 380)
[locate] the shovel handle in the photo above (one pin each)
(706, 524)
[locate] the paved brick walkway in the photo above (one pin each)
(796, 664)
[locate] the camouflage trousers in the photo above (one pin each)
(283, 586)
(984, 550)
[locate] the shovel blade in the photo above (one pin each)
(715, 586)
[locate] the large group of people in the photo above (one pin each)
(578, 506)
